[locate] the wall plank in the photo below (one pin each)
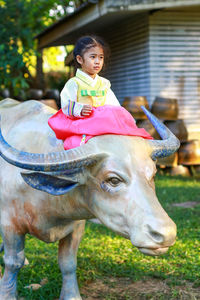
(174, 45)
(128, 69)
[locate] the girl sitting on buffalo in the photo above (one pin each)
(88, 105)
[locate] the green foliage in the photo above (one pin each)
(104, 254)
(21, 21)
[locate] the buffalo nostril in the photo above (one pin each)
(156, 236)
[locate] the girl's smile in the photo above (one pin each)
(92, 61)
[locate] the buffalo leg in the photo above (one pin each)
(67, 257)
(14, 260)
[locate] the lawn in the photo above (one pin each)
(110, 268)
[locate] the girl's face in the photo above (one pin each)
(92, 61)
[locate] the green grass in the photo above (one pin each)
(103, 254)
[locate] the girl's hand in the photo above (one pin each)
(86, 110)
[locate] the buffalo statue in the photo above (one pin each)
(49, 192)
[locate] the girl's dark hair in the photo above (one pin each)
(86, 42)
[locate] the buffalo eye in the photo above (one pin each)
(113, 181)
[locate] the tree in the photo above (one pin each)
(21, 20)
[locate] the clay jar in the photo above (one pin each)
(180, 171)
(5, 93)
(169, 161)
(178, 128)
(35, 94)
(189, 153)
(50, 102)
(133, 105)
(165, 108)
(52, 94)
(146, 124)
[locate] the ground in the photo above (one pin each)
(126, 289)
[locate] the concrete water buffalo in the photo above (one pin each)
(48, 192)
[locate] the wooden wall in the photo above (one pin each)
(128, 69)
(158, 54)
(174, 49)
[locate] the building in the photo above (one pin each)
(155, 46)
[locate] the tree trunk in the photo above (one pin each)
(40, 75)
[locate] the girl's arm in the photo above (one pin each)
(69, 104)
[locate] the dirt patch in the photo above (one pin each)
(126, 289)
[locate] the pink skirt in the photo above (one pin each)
(105, 119)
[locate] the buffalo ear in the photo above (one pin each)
(48, 183)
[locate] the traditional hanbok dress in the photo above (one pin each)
(107, 116)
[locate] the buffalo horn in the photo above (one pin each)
(169, 143)
(84, 155)
(49, 162)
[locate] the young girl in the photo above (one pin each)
(87, 89)
(88, 106)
